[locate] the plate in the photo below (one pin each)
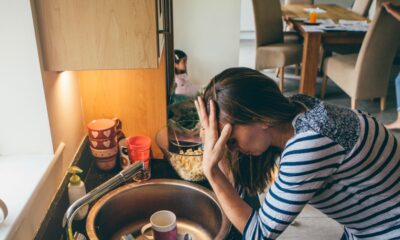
(298, 19)
(333, 28)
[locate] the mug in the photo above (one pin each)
(106, 164)
(103, 128)
(163, 224)
(104, 153)
(103, 139)
(4, 209)
(103, 143)
(123, 153)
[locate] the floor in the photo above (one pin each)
(311, 224)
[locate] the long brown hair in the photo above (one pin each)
(244, 96)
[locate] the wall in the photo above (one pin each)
(39, 112)
(208, 31)
(137, 97)
(24, 124)
(65, 113)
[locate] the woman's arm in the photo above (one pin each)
(237, 210)
(234, 207)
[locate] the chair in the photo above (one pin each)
(361, 7)
(272, 51)
(366, 75)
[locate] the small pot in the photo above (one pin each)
(106, 164)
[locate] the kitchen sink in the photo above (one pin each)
(126, 209)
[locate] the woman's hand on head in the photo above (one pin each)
(214, 144)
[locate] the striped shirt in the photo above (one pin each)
(343, 163)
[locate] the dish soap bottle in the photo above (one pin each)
(76, 190)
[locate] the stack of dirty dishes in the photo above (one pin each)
(103, 142)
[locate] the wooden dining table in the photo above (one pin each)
(312, 41)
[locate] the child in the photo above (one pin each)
(182, 84)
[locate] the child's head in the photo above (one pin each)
(180, 61)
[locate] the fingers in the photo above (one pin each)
(225, 134)
(212, 120)
(201, 110)
(196, 104)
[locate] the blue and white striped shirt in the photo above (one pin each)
(343, 163)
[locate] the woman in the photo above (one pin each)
(343, 162)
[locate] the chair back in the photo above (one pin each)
(376, 55)
(299, 1)
(268, 22)
(378, 4)
(361, 7)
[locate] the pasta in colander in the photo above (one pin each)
(188, 164)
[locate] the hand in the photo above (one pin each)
(214, 145)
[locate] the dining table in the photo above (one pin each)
(297, 16)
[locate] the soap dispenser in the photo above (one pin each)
(76, 190)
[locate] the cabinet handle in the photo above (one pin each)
(167, 18)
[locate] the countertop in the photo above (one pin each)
(20, 176)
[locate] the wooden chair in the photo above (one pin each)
(272, 49)
(361, 7)
(366, 75)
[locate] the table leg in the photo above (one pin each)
(309, 69)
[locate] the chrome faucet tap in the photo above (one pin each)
(96, 193)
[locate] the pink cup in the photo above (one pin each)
(163, 224)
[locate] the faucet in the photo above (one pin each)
(96, 193)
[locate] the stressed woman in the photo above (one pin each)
(342, 162)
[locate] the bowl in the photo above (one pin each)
(184, 156)
(183, 121)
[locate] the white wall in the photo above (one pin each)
(208, 31)
(246, 16)
(24, 124)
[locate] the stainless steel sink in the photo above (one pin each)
(126, 209)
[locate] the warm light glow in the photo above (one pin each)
(65, 105)
(65, 87)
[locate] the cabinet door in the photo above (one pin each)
(97, 34)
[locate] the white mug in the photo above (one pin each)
(163, 224)
(4, 210)
(123, 153)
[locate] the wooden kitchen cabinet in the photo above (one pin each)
(99, 34)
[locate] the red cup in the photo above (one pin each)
(139, 149)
